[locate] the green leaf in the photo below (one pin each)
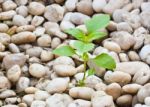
(82, 46)
(105, 61)
(95, 35)
(90, 72)
(77, 33)
(85, 57)
(97, 22)
(64, 51)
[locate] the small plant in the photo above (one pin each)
(83, 45)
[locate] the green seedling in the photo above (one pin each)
(84, 44)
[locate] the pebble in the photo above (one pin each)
(37, 20)
(133, 56)
(41, 95)
(23, 37)
(125, 100)
(4, 38)
(36, 8)
(22, 84)
(63, 99)
(25, 28)
(44, 41)
(124, 26)
(101, 99)
(80, 103)
(14, 73)
(13, 48)
(19, 20)
(38, 104)
(3, 27)
(57, 85)
(85, 7)
(46, 56)
(34, 51)
(14, 59)
(144, 53)
(143, 93)
(55, 42)
(64, 70)
(113, 89)
(2, 47)
(37, 70)
(119, 77)
(54, 13)
(147, 101)
(4, 83)
(71, 5)
(7, 94)
(131, 88)
(98, 5)
(7, 15)
(22, 10)
(21, 2)
(28, 99)
(9, 5)
(81, 92)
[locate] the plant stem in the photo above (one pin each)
(85, 64)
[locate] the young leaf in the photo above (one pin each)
(90, 72)
(97, 22)
(82, 46)
(64, 51)
(105, 61)
(77, 33)
(95, 35)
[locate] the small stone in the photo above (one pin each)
(9, 5)
(125, 100)
(119, 77)
(13, 48)
(34, 52)
(144, 53)
(98, 5)
(147, 101)
(80, 103)
(54, 13)
(81, 92)
(14, 73)
(2, 47)
(25, 28)
(3, 27)
(114, 90)
(101, 99)
(55, 42)
(7, 15)
(64, 70)
(39, 31)
(21, 2)
(63, 99)
(36, 8)
(144, 6)
(64, 60)
(22, 10)
(66, 25)
(85, 7)
(12, 100)
(28, 99)
(30, 90)
(4, 38)
(133, 56)
(131, 88)
(44, 41)
(78, 18)
(124, 26)
(123, 57)
(4, 83)
(23, 37)
(19, 20)
(57, 85)
(112, 46)
(41, 95)
(46, 56)
(71, 5)
(7, 94)
(37, 70)
(14, 59)
(22, 84)
(112, 5)
(37, 20)
(37, 103)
